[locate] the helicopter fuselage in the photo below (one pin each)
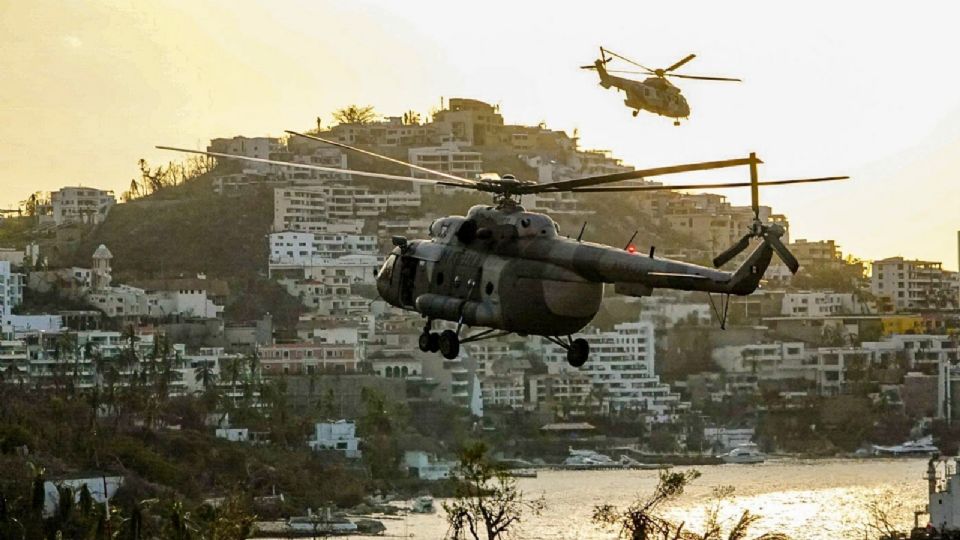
(508, 269)
(653, 94)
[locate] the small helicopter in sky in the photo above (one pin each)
(655, 94)
(510, 271)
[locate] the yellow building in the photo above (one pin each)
(902, 324)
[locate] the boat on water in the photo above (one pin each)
(587, 459)
(918, 447)
(314, 524)
(744, 453)
(590, 459)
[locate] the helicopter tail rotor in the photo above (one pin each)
(770, 233)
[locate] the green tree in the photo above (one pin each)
(487, 503)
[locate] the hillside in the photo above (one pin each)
(185, 230)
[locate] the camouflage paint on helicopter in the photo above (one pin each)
(509, 270)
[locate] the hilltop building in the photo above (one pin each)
(448, 158)
(71, 205)
(340, 436)
(11, 289)
(914, 285)
(255, 147)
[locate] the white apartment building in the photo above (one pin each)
(321, 155)
(255, 147)
(914, 284)
(120, 301)
(820, 304)
(335, 207)
(340, 436)
(425, 466)
(768, 361)
(11, 289)
(836, 366)
(42, 357)
(621, 368)
(81, 205)
(446, 158)
(666, 312)
(308, 249)
(504, 390)
(355, 269)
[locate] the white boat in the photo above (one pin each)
(922, 446)
(423, 505)
(745, 453)
(587, 459)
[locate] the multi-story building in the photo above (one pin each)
(81, 205)
(768, 361)
(333, 208)
(838, 367)
(821, 304)
(816, 252)
(448, 158)
(84, 359)
(11, 289)
(304, 358)
(307, 248)
(340, 436)
(621, 370)
(469, 121)
(564, 393)
(389, 132)
(903, 284)
(255, 147)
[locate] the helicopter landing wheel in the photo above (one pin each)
(424, 342)
(449, 344)
(635, 113)
(676, 122)
(429, 342)
(578, 352)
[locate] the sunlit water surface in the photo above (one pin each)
(815, 499)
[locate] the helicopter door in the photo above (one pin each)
(408, 274)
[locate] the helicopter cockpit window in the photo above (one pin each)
(386, 271)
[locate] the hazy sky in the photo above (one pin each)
(868, 89)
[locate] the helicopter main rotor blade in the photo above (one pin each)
(319, 168)
(573, 185)
(630, 71)
(686, 59)
(702, 78)
(612, 189)
(625, 59)
(380, 156)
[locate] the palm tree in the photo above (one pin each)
(129, 357)
(206, 376)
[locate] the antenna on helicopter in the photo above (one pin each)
(582, 228)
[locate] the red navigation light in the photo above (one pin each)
(631, 248)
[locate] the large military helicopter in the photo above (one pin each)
(655, 94)
(510, 271)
